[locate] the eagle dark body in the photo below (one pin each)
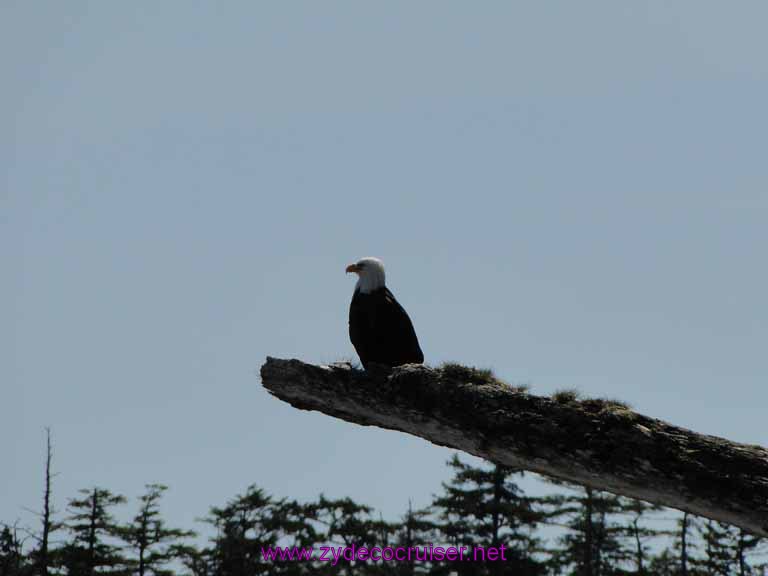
(381, 331)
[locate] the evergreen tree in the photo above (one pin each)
(197, 562)
(416, 529)
(593, 545)
(682, 543)
(729, 550)
(686, 546)
(295, 523)
(92, 552)
(346, 524)
(680, 559)
(12, 561)
(243, 526)
(745, 546)
(148, 536)
(665, 564)
(638, 534)
(719, 559)
(480, 506)
(483, 507)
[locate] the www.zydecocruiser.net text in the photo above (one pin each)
(430, 553)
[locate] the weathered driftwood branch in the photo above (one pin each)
(591, 442)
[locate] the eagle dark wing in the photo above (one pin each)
(362, 324)
(402, 343)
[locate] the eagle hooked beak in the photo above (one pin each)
(353, 268)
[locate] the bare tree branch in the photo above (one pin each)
(47, 507)
(595, 443)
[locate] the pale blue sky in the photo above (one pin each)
(574, 194)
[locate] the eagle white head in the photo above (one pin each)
(370, 272)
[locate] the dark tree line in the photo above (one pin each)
(574, 531)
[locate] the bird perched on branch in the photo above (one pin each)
(380, 329)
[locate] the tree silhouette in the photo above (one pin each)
(483, 507)
(480, 506)
(417, 529)
(592, 546)
(149, 538)
(636, 533)
(243, 526)
(12, 561)
(346, 523)
(94, 529)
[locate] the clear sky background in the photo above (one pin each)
(574, 194)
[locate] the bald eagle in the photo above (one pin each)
(379, 327)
